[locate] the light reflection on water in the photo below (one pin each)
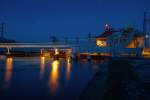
(68, 69)
(8, 71)
(53, 79)
(42, 67)
(20, 76)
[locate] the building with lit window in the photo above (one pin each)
(121, 40)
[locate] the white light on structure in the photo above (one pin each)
(101, 43)
(106, 25)
(56, 52)
(146, 36)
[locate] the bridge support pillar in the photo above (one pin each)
(41, 52)
(8, 52)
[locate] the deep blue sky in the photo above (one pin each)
(37, 20)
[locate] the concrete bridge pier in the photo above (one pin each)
(8, 54)
(41, 52)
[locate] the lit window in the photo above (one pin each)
(101, 43)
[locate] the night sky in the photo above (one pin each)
(37, 20)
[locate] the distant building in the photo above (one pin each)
(128, 41)
(128, 38)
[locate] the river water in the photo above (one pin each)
(39, 77)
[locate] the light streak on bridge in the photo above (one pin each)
(41, 46)
(34, 45)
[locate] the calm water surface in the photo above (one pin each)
(44, 78)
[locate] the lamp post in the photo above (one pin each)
(146, 35)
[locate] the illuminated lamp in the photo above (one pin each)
(146, 36)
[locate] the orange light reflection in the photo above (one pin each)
(42, 66)
(8, 71)
(68, 69)
(53, 81)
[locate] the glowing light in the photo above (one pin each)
(146, 52)
(101, 43)
(147, 36)
(56, 52)
(107, 27)
(53, 81)
(42, 51)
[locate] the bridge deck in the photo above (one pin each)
(34, 45)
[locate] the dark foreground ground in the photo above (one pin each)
(125, 80)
